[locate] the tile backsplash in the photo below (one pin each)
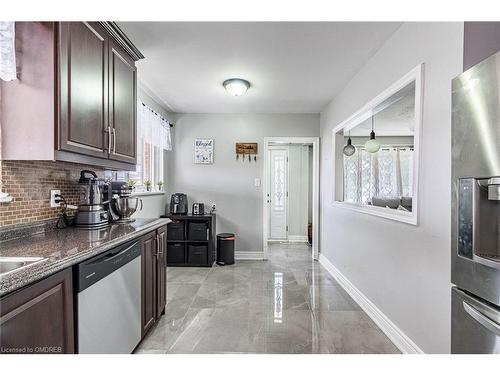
(30, 182)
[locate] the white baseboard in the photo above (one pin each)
(249, 255)
(293, 238)
(403, 342)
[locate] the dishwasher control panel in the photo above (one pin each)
(98, 267)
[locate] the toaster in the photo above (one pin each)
(198, 209)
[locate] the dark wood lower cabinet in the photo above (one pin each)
(154, 277)
(39, 318)
(161, 271)
(148, 281)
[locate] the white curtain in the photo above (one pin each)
(385, 174)
(152, 128)
(7, 51)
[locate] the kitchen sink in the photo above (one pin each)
(9, 264)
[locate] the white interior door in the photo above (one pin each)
(278, 191)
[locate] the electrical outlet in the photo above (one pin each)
(213, 207)
(53, 202)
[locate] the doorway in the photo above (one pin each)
(291, 191)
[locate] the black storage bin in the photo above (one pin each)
(175, 231)
(197, 231)
(225, 248)
(175, 253)
(197, 254)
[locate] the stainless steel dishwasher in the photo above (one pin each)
(109, 301)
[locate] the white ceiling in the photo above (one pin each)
(394, 116)
(293, 67)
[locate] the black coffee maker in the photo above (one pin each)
(179, 204)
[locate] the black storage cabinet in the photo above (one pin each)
(197, 254)
(197, 231)
(190, 240)
(175, 253)
(225, 248)
(175, 230)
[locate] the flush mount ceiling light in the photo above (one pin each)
(236, 86)
(372, 145)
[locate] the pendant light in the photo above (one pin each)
(372, 145)
(349, 149)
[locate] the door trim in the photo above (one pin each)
(315, 189)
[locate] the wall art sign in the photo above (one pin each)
(203, 151)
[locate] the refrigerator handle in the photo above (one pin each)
(486, 322)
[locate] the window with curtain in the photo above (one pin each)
(153, 139)
(7, 51)
(385, 174)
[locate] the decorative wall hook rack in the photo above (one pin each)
(247, 151)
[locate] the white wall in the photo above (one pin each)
(298, 194)
(403, 269)
(229, 182)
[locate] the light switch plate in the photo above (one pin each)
(257, 182)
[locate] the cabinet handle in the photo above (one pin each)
(109, 139)
(114, 141)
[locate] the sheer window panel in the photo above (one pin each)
(385, 174)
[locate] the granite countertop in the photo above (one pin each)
(63, 248)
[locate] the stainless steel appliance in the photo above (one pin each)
(109, 301)
(123, 206)
(93, 207)
(475, 241)
(179, 204)
(198, 209)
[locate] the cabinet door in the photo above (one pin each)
(39, 318)
(148, 282)
(122, 104)
(161, 271)
(83, 88)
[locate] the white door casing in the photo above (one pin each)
(268, 141)
(278, 194)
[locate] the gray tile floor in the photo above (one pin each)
(288, 304)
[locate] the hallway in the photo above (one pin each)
(288, 304)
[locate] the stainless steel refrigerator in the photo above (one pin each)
(475, 244)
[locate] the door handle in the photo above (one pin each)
(114, 141)
(109, 139)
(486, 322)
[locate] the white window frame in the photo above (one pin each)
(417, 75)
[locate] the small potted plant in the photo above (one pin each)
(160, 185)
(147, 183)
(131, 184)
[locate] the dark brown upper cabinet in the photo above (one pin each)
(122, 104)
(83, 88)
(75, 97)
(98, 88)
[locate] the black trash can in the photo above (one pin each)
(225, 249)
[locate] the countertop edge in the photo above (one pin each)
(41, 272)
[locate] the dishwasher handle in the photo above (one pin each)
(111, 256)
